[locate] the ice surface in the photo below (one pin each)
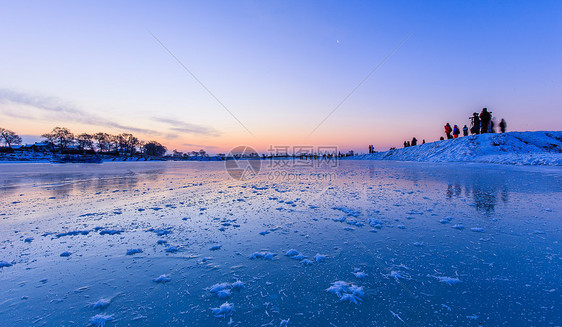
(411, 268)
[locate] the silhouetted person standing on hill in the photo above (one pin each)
(475, 129)
(465, 131)
(503, 125)
(485, 118)
(405, 144)
(448, 131)
(456, 131)
(414, 141)
(423, 141)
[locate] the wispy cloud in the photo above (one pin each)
(56, 109)
(188, 128)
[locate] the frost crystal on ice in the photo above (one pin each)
(162, 279)
(447, 280)
(359, 274)
(100, 320)
(346, 291)
(224, 310)
(223, 290)
(101, 304)
(319, 257)
(133, 251)
(5, 264)
(263, 255)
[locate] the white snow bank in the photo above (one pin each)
(515, 148)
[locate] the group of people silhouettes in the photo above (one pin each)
(479, 124)
(414, 142)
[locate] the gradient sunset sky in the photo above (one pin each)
(280, 67)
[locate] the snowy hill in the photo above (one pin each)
(517, 148)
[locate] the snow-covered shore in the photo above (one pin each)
(515, 148)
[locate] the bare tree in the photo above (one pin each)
(9, 137)
(103, 141)
(131, 143)
(141, 145)
(114, 143)
(127, 143)
(60, 136)
(84, 141)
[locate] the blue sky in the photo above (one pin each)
(280, 67)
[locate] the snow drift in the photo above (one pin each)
(516, 148)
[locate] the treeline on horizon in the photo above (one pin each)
(62, 140)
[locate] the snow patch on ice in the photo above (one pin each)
(263, 255)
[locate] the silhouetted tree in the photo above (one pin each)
(9, 137)
(153, 148)
(141, 145)
(103, 141)
(114, 143)
(84, 141)
(60, 136)
(127, 143)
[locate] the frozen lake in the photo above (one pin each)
(414, 244)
